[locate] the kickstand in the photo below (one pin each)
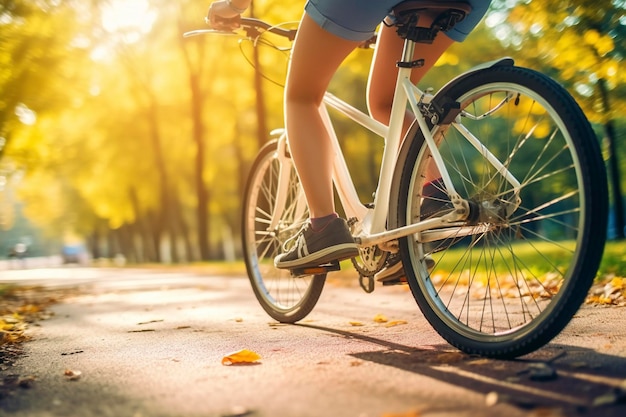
(367, 283)
(315, 270)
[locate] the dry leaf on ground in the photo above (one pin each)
(396, 323)
(405, 414)
(71, 375)
(380, 318)
(240, 356)
(355, 323)
(450, 357)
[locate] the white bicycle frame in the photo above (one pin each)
(372, 221)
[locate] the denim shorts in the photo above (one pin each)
(357, 20)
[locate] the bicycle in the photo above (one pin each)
(502, 268)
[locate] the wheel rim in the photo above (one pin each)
(276, 289)
(503, 279)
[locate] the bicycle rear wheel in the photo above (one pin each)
(283, 297)
(509, 280)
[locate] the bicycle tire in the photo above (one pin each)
(283, 297)
(512, 284)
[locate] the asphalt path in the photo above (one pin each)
(143, 343)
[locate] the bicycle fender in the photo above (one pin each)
(502, 62)
(412, 134)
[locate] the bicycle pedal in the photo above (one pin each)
(315, 270)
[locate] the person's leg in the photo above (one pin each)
(381, 88)
(315, 57)
(382, 80)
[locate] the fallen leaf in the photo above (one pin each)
(405, 414)
(238, 411)
(238, 319)
(379, 318)
(541, 372)
(615, 396)
(479, 362)
(396, 323)
(450, 357)
(356, 323)
(240, 356)
(72, 375)
(150, 321)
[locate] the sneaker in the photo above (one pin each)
(393, 272)
(435, 203)
(313, 248)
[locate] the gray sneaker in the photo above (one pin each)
(393, 271)
(435, 203)
(313, 248)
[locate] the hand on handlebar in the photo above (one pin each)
(221, 16)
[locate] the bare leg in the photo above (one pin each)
(315, 57)
(383, 74)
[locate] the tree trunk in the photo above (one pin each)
(260, 95)
(201, 189)
(614, 172)
(195, 72)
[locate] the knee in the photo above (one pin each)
(379, 107)
(298, 95)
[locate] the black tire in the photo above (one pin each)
(507, 283)
(283, 297)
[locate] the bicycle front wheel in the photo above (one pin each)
(507, 281)
(274, 210)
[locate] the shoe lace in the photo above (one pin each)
(294, 241)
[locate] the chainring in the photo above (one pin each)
(371, 260)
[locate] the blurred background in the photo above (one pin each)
(121, 141)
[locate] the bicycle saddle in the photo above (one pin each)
(435, 6)
(420, 21)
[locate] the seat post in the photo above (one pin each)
(408, 51)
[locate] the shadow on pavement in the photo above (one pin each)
(573, 380)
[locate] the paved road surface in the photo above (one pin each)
(150, 343)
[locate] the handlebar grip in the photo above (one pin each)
(223, 21)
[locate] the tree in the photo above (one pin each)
(583, 44)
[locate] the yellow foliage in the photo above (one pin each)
(603, 44)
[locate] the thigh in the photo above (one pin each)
(316, 56)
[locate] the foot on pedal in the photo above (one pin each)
(315, 270)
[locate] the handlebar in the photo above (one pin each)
(255, 27)
(252, 27)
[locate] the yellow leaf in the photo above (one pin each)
(405, 414)
(450, 357)
(240, 356)
(396, 323)
(356, 323)
(380, 318)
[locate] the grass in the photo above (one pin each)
(614, 260)
(613, 263)
(540, 257)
